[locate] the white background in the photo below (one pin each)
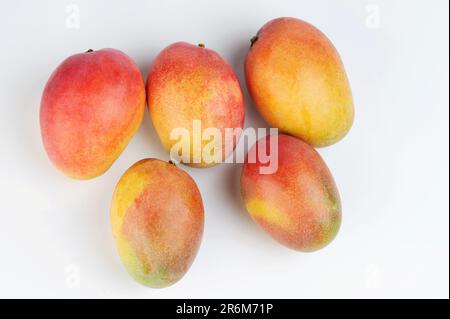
(392, 169)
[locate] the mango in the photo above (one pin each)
(91, 107)
(298, 204)
(157, 221)
(298, 82)
(192, 88)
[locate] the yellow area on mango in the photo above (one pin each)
(260, 210)
(131, 186)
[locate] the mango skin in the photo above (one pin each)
(298, 82)
(298, 205)
(91, 107)
(157, 221)
(190, 82)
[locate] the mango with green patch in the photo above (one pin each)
(157, 220)
(298, 82)
(188, 83)
(91, 107)
(299, 204)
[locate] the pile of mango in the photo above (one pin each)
(94, 103)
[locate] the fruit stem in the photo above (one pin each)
(89, 51)
(201, 45)
(173, 163)
(253, 40)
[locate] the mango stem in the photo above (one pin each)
(253, 40)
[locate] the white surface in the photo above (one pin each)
(392, 169)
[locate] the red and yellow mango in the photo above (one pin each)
(299, 204)
(157, 220)
(91, 107)
(188, 83)
(298, 82)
